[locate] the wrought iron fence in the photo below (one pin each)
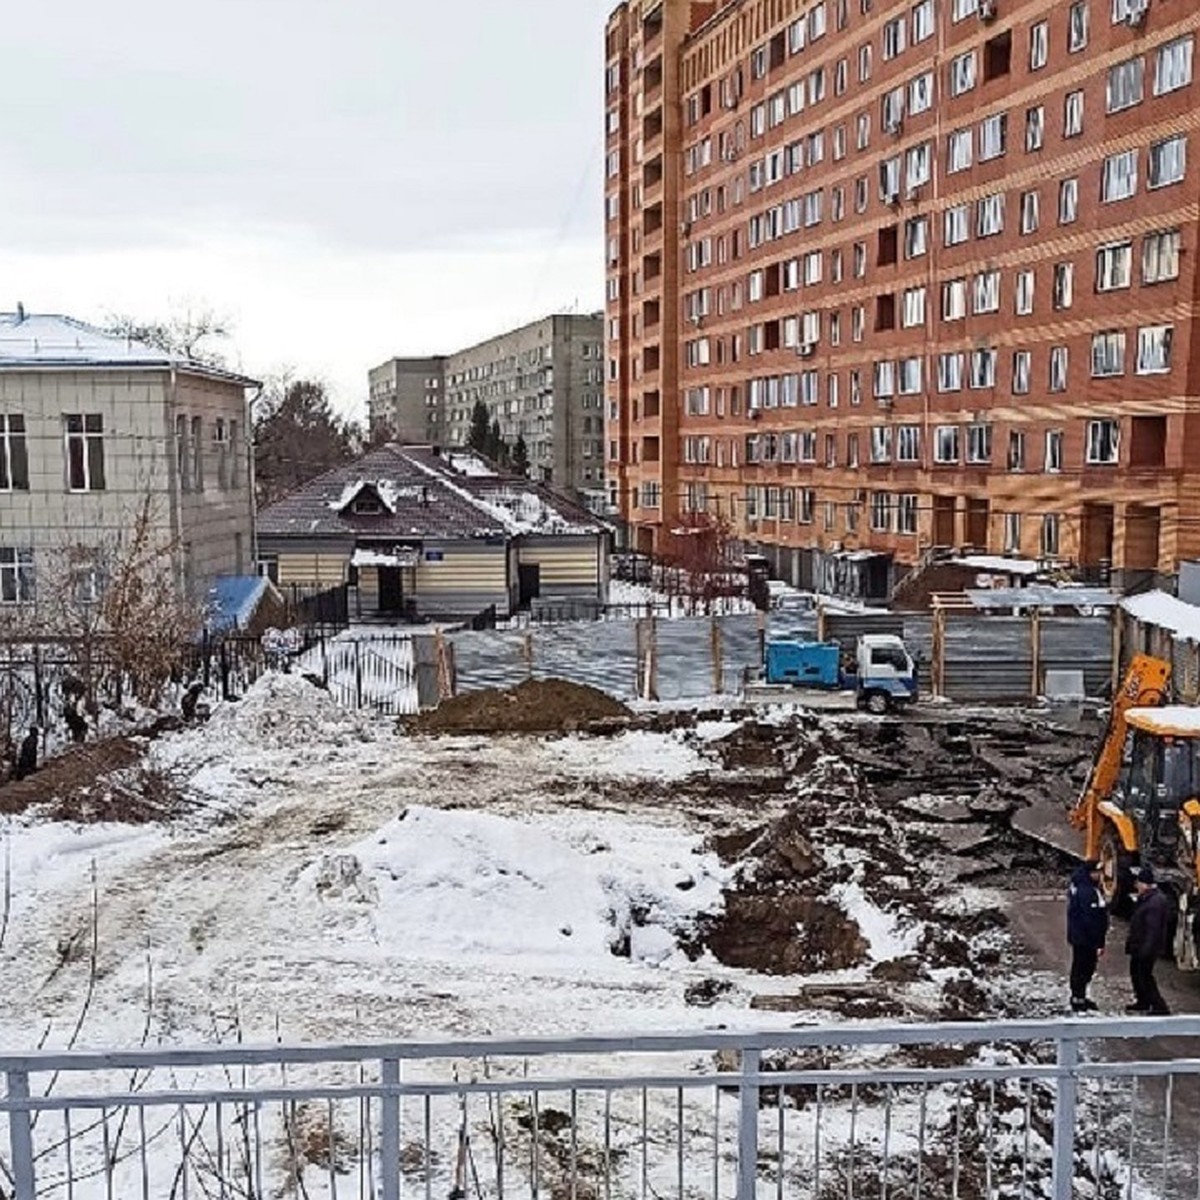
(1014, 1110)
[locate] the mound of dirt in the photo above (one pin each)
(785, 934)
(535, 706)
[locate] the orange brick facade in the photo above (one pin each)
(889, 275)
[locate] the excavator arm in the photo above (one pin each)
(1144, 686)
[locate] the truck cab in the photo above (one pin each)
(885, 673)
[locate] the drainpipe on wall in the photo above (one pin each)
(251, 481)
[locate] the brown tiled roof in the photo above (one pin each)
(425, 498)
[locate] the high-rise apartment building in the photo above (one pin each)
(405, 397)
(885, 275)
(543, 382)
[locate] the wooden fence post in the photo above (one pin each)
(1118, 619)
(718, 672)
(820, 621)
(652, 661)
(527, 653)
(937, 667)
(1035, 653)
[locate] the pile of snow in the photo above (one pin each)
(522, 511)
(636, 753)
(570, 891)
(469, 464)
(285, 712)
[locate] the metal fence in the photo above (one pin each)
(1014, 1110)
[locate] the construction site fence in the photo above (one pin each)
(1047, 1110)
(964, 657)
(1182, 652)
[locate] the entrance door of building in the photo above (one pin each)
(978, 516)
(944, 533)
(391, 591)
(1096, 535)
(529, 581)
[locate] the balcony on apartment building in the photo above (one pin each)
(652, 272)
(652, 228)
(652, 133)
(652, 179)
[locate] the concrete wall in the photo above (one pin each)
(210, 526)
(567, 566)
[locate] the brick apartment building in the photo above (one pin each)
(543, 382)
(885, 275)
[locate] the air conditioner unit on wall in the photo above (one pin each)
(987, 10)
(1136, 14)
(806, 349)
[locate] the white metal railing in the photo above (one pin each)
(1019, 1109)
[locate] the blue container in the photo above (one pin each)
(805, 664)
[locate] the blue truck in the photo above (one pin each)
(883, 675)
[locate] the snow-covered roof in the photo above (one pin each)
(470, 464)
(47, 340)
(997, 564)
(1166, 612)
(1178, 720)
(388, 492)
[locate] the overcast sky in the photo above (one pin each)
(344, 179)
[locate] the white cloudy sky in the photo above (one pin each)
(345, 179)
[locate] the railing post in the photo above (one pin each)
(389, 1141)
(747, 1159)
(1066, 1094)
(20, 1136)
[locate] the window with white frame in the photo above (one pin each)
(889, 178)
(891, 110)
(864, 63)
(912, 313)
(950, 372)
(16, 575)
(1114, 266)
(1119, 177)
(881, 443)
(945, 444)
(983, 369)
(1035, 128)
(816, 86)
(1154, 349)
(1024, 292)
(956, 225)
(958, 150)
(1049, 541)
(1103, 442)
(909, 372)
(989, 215)
(84, 444)
(817, 21)
(1160, 256)
(916, 237)
(918, 165)
(1039, 45)
(1167, 161)
(862, 135)
(963, 9)
(14, 454)
(1052, 460)
(987, 292)
(906, 513)
(1173, 65)
(894, 33)
(1030, 203)
(1073, 114)
(812, 267)
(1077, 26)
(810, 327)
(1022, 368)
(920, 93)
(1068, 201)
(885, 379)
(881, 512)
(954, 300)
(1059, 368)
(1012, 533)
(1108, 353)
(1063, 289)
(962, 73)
(924, 21)
(993, 136)
(908, 444)
(979, 443)
(1124, 87)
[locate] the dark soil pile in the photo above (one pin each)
(535, 706)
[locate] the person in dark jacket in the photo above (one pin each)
(1146, 943)
(1087, 929)
(27, 758)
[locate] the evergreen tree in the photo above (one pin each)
(520, 457)
(495, 443)
(297, 436)
(479, 437)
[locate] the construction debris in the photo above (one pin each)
(535, 706)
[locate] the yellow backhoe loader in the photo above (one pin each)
(1141, 803)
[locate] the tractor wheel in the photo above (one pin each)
(1116, 873)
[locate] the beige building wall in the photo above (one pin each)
(205, 512)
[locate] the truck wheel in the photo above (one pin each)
(1116, 874)
(877, 703)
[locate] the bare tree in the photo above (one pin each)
(194, 333)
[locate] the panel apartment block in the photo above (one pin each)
(926, 276)
(405, 397)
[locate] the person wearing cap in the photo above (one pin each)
(1146, 943)
(1087, 929)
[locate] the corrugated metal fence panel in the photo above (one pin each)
(1185, 670)
(847, 628)
(1079, 644)
(988, 660)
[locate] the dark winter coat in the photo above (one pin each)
(1149, 926)
(1087, 913)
